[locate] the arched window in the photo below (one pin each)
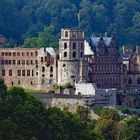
(129, 81)
(66, 33)
(65, 45)
(138, 80)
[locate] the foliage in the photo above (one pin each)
(23, 117)
(29, 20)
(132, 128)
(110, 114)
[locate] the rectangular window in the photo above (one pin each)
(41, 59)
(23, 54)
(10, 62)
(36, 62)
(74, 45)
(14, 62)
(28, 72)
(18, 53)
(19, 72)
(74, 54)
(10, 72)
(2, 53)
(27, 53)
(65, 54)
(23, 62)
(36, 53)
(14, 53)
(32, 72)
(3, 72)
(18, 62)
(2, 62)
(23, 72)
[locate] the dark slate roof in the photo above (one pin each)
(95, 40)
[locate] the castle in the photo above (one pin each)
(97, 61)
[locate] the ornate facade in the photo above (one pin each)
(105, 66)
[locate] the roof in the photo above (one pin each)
(95, 40)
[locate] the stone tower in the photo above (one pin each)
(71, 64)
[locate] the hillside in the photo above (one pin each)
(26, 18)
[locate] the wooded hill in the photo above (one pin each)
(38, 19)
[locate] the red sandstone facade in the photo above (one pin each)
(105, 66)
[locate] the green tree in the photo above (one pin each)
(132, 128)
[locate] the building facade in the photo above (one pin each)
(72, 66)
(27, 67)
(105, 65)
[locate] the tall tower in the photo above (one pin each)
(71, 56)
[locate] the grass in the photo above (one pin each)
(33, 91)
(30, 90)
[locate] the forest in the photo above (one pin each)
(37, 23)
(23, 117)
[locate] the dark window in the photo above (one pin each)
(10, 72)
(14, 53)
(64, 65)
(14, 62)
(18, 62)
(18, 82)
(138, 80)
(31, 53)
(51, 69)
(12, 83)
(23, 54)
(51, 75)
(18, 53)
(28, 72)
(6, 61)
(43, 69)
(3, 72)
(66, 34)
(41, 59)
(2, 62)
(23, 72)
(19, 72)
(32, 62)
(37, 73)
(36, 53)
(81, 46)
(36, 62)
(10, 62)
(65, 54)
(65, 45)
(23, 62)
(27, 53)
(2, 53)
(81, 54)
(31, 82)
(74, 45)
(130, 81)
(32, 72)
(74, 54)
